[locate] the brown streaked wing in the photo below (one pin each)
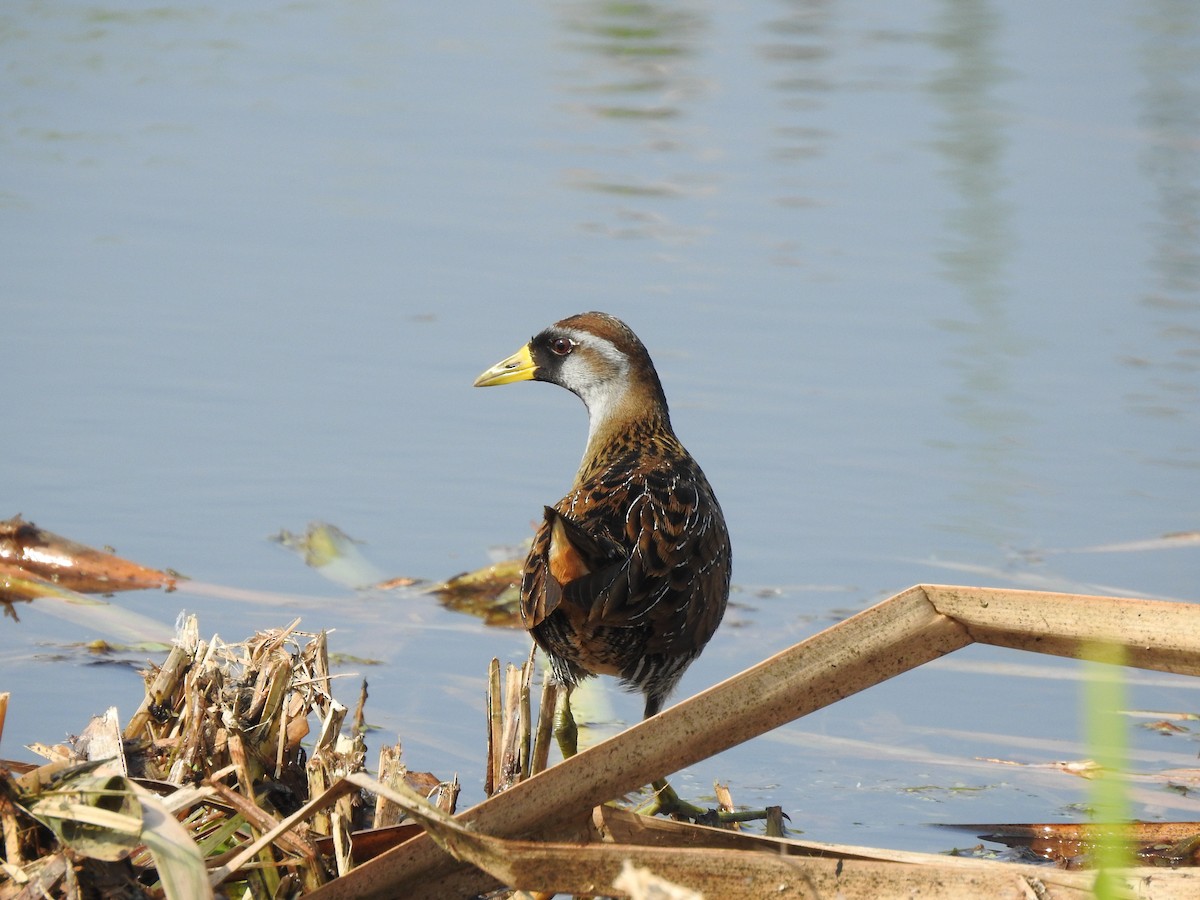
(700, 596)
(565, 562)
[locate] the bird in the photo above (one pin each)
(629, 573)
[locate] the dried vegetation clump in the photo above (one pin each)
(214, 760)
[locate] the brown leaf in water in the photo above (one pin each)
(400, 581)
(1071, 844)
(492, 593)
(34, 563)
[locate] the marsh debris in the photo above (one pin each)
(218, 748)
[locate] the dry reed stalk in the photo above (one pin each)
(495, 728)
(14, 855)
(391, 773)
(525, 712)
(509, 726)
(446, 795)
(514, 724)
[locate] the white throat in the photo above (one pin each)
(599, 375)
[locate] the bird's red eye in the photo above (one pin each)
(562, 346)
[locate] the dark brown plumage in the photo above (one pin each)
(629, 572)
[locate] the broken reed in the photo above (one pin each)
(516, 750)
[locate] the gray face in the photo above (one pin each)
(595, 370)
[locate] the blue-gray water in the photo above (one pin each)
(922, 282)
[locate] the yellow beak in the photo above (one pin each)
(518, 367)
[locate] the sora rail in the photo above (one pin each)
(629, 572)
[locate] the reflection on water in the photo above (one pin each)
(976, 243)
(633, 78)
(1170, 159)
(645, 48)
(798, 52)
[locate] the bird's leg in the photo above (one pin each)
(668, 803)
(565, 730)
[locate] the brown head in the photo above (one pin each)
(597, 357)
